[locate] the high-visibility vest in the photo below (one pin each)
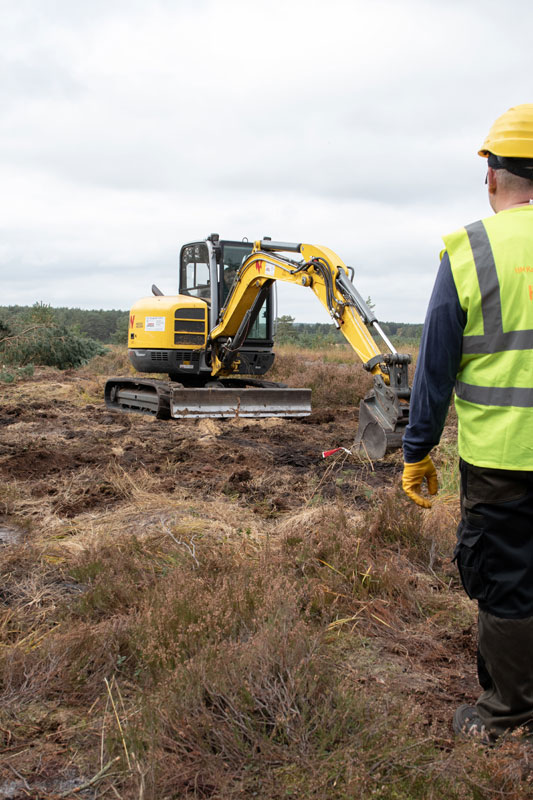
(492, 266)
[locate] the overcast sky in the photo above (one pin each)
(130, 127)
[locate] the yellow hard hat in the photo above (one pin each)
(511, 135)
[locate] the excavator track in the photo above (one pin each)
(143, 396)
(222, 399)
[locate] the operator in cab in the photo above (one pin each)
(478, 340)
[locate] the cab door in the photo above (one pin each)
(195, 272)
(231, 258)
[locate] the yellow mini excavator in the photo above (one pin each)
(216, 336)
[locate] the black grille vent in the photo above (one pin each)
(191, 356)
(159, 355)
(189, 325)
(189, 338)
(190, 313)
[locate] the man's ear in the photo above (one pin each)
(492, 180)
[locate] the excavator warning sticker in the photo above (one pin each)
(154, 323)
(269, 269)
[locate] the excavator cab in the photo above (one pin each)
(208, 271)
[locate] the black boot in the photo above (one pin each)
(506, 673)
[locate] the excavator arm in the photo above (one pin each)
(384, 411)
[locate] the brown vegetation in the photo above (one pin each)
(210, 610)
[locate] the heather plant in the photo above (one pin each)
(335, 378)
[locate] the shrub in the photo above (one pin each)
(38, 339)
(11, 375)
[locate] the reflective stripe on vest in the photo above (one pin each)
(495, 395)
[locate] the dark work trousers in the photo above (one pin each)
(494, 555)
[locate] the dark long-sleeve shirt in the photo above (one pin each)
(437, 366)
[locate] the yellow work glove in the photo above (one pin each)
(413, 477)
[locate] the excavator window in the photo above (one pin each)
(232, 257)
(194, 271)
(233, 254)
(259, 329)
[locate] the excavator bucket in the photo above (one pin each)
(383, 416)
(222, 402)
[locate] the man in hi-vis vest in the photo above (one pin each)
(478, 339)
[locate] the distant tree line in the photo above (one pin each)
(324, 334)
(103, 326)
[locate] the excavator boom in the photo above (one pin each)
(321, 270)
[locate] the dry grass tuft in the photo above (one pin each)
(333, 383)
(115, 361)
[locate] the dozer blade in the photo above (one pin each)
(382, 420)
(221, 402)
